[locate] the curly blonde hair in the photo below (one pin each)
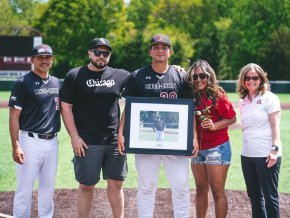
(213, 90)
(241, 87)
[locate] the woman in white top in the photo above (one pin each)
(261, 154)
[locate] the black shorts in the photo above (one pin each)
(106, 157)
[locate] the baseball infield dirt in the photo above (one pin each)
(65, 204)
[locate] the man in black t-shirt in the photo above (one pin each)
(159, 79)
(90, 110)
(34, 121)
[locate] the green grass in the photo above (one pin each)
(150, 135)
(4, 95)
(65, 175)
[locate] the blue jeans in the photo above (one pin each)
(220, 155)
(262, 186)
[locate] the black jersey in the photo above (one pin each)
(38, 101)
(145, 82)
(94, 96)
(158, 125)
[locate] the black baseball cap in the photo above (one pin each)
(100, 42)
(42, 49)
(160, 39)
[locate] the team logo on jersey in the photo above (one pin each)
(36, 83)
(95, 83)
(160, 86)
(148, 77)
(46, 91)
(13, 98)
(259, 101)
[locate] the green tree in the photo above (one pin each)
(69, 26)
(275, 54)
(18, 16)
(139, 11)
(166, 19)
(198, 20)
(132, 54)
(224, 50)
(212, 19)
(254, 24)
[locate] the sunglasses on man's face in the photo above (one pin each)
(254, 78)
(201, 76)
(99, 52)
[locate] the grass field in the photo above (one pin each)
(65, 175)
(147, 134)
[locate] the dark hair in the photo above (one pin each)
(213, 90)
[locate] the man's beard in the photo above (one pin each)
(99, 65)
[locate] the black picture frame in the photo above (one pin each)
(144, 118)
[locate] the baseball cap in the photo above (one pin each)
(42, 49)
(100, 42)
(160, 39)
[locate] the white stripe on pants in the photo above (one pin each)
(177, 173)
(41, 157)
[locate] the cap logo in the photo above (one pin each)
(41, 50)
(103, 40)
(159, 38)
(44, 49)
(100, 42)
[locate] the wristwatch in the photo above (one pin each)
(275, 148)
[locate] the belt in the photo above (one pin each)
(47, 136)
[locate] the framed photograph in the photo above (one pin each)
(159, 126)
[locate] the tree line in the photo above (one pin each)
(226, 33)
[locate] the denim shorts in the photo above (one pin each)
(220, 154)
(100, 157)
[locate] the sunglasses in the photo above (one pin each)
(254, 78)
(201, 76)
(99, 52)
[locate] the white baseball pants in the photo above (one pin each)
(41, 157)
(177, 173)
(159, 135)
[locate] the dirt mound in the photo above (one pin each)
(65, 204)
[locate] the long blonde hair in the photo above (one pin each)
(241, 87)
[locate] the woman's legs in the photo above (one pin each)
(217, 175)
(199, 172)
(210, 169)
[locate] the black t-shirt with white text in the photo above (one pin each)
(94, 96)
(38, 101)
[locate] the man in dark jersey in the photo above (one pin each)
(90, 110)
(34, 121)
(158, 80)
(158, 128)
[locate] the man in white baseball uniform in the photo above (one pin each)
(158, 128)
(33, 123)
(159, 79)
